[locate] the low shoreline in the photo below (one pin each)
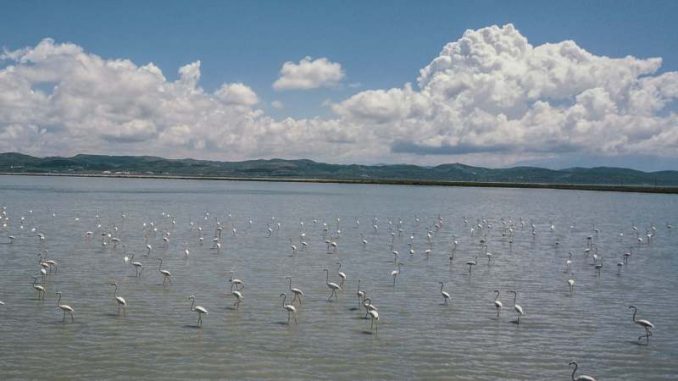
(448, 183)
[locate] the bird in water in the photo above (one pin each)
(298, 294)
(472, 263)
(445, 294)
(331, 285)
(643, 323)
(291, 310)
(122, 304)
(582, 377)
(570, 283)
(517, 307)
(497, 303)
(39, 288)
(199, 309)
(65, 308)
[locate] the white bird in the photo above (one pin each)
(122, 304)
(341, 274)
(517, 307)
(199, 309)
(65, 308)
(374, 316)
(582, 377)
(238, 298)
(643, 323)
(236, 283)
(138, 267)
(39, 288)
(395, 273)
(298, 294)
(331, 285)
(360, 293)
(472, 263)
(166, 274)
(445, 294)
(570, 283)
(497, 304)
(291, 310)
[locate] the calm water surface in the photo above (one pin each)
(418, 336)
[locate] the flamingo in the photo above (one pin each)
(122, 304)
(517, 307)
(360, 293)
(582, 377)
(472, 263)
(341, 274)
(298, 294)
(199, 309)
(166, 274)
(374, 316)
(39, 288)
(643, 323)
(138, 267)
(570, 283)
(238, 284)
(332, 286)
(445, 294)
(238, 299)
(395, 273)
(367, 304)
(291, 310)
(65, 308)
(497, 304)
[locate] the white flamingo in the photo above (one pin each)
(122, 304)
(199, 309)
(138, 267)
(65, 308)
(472, 263)
(582, 377)
(39, 288)
(291, 310)
(396, 272)
(238, 298)
(643, 323)
(517, 307)
(298, 294)
(166, 274)
(570, 283)
(331, 285)
(497, 303)
(445, 294)
(237, 284)
(341, 274)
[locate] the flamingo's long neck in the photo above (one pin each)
(284, 299)
(59, 300)
(635, 311)
(497, 298)
(327, 276)
(574, 370)
(515, 296)
(192, 304)
(290, 283)
(160, 265)
(115, 292)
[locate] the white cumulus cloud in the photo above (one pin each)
(309, 74)
(488, 98)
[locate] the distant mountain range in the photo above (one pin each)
(310, 170)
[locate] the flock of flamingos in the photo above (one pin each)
(158, 234)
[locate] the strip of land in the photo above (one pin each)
(595, 179)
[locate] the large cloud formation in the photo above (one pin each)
(489, 98)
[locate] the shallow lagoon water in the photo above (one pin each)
(418, 336)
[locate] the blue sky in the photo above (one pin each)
(379, 45)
